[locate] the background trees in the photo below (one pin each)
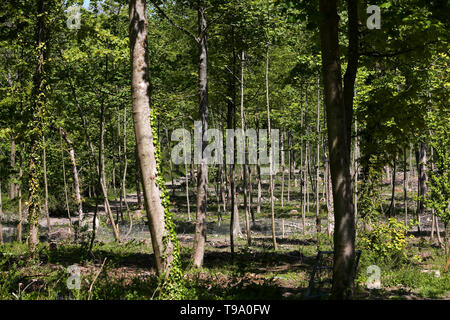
(359, 112)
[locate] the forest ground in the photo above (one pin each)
(126, 270)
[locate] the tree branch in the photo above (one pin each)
(377, 54)
(196, 39)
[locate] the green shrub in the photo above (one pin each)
(386, 241)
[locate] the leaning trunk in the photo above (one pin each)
(162, 242)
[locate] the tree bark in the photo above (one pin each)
(282, 167)
(338, 117)
(391, 210)
(1, 213)
(35, 123)
(272, 205)
(12, 185)
(76, 180)
(186, 175)
(103, 173)
(66, 197)
(138, 180)
(125, 161)
(318, 223)
(19, 213)
(302, 180)
(244, 166)
(44, 164)
(161, 240)
(202, 175)
(119, 157)
(421, 159)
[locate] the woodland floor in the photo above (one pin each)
(257, 271)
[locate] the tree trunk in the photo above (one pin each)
(318, 224)
(1, 212)
(421, 159)
(302, 180)
(66, 197)
(405, 186)
(391, 210)
(44, 164)
(36, 122)
(338, 117)
(290, 166)
(125, 161)
(282, 167)
(170, 162)
(163, 245)
(76, 180)
(103, 174)
(202, 175)
(12, 185)
(186, 175)
(411, 172)
(244, 166)
(272, 205)
(235, 228)
(19, 213)
(119, 157)
(258, 175)
(356, 174)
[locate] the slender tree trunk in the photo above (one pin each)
(103, 174)
(186, 175)
(435, 221)
(282, 167)
(411, 172)
(125, 162)
(302, 173)
(235, 228)
(244, 166)
(66, 197)
(20, 209)
(305, 176)
(392, 205)
(202, 175)
(12, 185)
(290, 166)
(258, 176)
(44, 164)
(119, 158)
(250, 185)
(76, 180)
(170, 162)
(223, 187)
(1, 212)
(272, 205)
(114, 181)
(338, 118)
(318, 223)
(405, 186)
(356, 174)
(421, 159)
